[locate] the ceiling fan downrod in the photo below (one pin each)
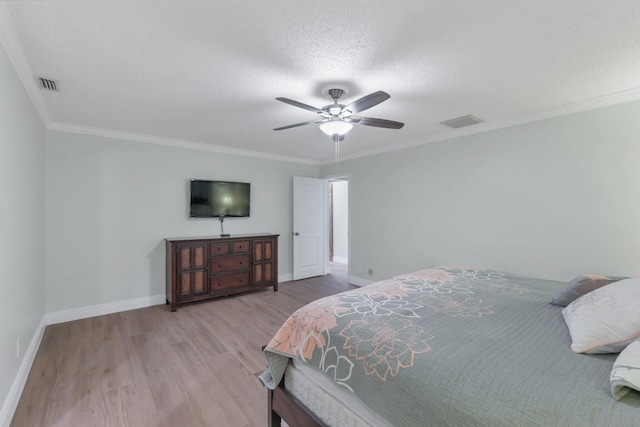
(335, 94)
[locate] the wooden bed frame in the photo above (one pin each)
(283, 406)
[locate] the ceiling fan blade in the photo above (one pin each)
(380, 123)
(300, 105)
(368, 101)
(300, 124)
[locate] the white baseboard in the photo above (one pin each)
(11, 402)
(116, 307)
(102, 309)
(285, 277)
(359, 282)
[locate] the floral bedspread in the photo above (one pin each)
(443, 344)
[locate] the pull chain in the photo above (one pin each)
(336, 139)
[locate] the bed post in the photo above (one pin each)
(273, 417)
(283, 406)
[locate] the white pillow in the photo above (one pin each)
(605, 320)
(625, 375)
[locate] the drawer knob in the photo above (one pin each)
(241, 246)
(219, 265)
(240, 262)
(219, 283)
(240, 280)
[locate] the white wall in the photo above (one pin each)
(341, 221)
(110, 204)
(554, 198)
(21, 230)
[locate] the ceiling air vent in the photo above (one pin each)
(48, 84)
(463, 121)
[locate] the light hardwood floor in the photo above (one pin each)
(195, 367)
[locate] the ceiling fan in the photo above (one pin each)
(337, 119)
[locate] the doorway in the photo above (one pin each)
(339, 227)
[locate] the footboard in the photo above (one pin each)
(283, 406)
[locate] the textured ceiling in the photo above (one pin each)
(208, 72)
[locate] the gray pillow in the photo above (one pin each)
(574, 289)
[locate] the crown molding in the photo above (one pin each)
(565, 109)
(11, 42)
(569, 108)
(130, 136)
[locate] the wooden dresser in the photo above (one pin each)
(207, 267)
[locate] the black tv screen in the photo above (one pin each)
(213, 199)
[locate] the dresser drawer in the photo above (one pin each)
(240, 246)
(218, 248)
(229, 263)
(229, 281)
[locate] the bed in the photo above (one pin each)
(445, 346)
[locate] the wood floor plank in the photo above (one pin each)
(115, 411)
(214, 406)
(115, 367)
(244, 388)
(36, 401)
(129, 405)
(243, 344)
(150, 367)
(178, 415)
(76, 401)
(157, 368)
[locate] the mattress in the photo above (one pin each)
(332, 405)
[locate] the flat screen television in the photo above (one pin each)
(213, 199)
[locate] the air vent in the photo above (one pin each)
(463, 121)
(48, 84)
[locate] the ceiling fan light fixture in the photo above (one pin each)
(336, 127)
(335, 110)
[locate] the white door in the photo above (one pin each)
(308, 227)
